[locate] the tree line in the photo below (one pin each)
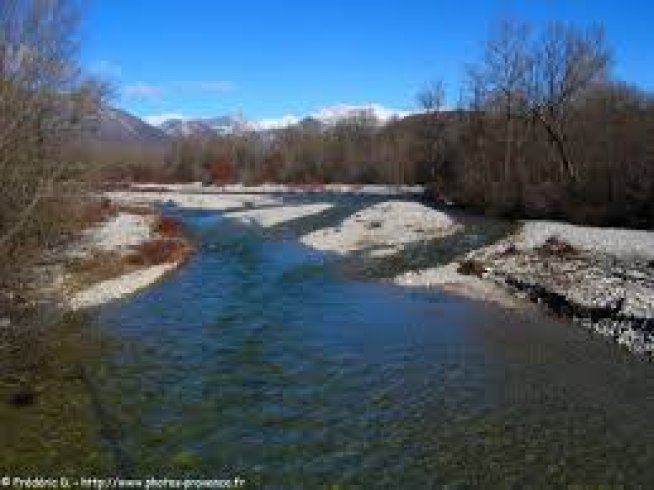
(542, 130)
(548, 132)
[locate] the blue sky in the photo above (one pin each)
(267, 59)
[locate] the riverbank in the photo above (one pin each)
(601, 278)
(135, 247)
(258, 332)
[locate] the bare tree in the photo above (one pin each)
(505, 74)
(567, 62)
(522, 75)
(432, 97)
(44, 100)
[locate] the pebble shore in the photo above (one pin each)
(611, 295)
(603, 279)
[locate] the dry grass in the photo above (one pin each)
(102, 266)
(168, 245)
(135, 209)
(159, 251)
(98, 210)
(169, 227)
(98, 267)
(109, 186)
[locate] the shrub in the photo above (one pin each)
(557, 247)
(154, 252)
(168, 226)
(134, 209)
(98, 210)
(471, 267)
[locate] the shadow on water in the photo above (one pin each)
(260, 359)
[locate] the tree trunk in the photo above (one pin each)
(560, 146)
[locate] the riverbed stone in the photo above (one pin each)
(610, 295)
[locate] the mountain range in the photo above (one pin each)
(228, 124)
(118, 127)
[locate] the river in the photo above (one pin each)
(262, 359)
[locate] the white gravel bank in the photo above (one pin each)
(383, 229)
(446, 277)
(116, 234)
(268, 217)
(116, 288)
(120, 232)
(618, 242)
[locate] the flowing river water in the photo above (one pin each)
(260, 358)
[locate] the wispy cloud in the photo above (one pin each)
(146, 90)
(142, 90)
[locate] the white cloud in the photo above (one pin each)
(142, 90)
(158, 119)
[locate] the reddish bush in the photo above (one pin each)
(222, 172)
(168, 226)
(155, 252)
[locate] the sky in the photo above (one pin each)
(271, 59)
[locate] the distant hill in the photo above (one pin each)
(116, 127)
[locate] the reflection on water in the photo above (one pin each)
(258, 359)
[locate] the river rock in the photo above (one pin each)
(610, 295)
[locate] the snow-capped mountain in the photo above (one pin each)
(117, 127)
(182, 127)
(236, 123)
(228, 124)
(336, 113)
